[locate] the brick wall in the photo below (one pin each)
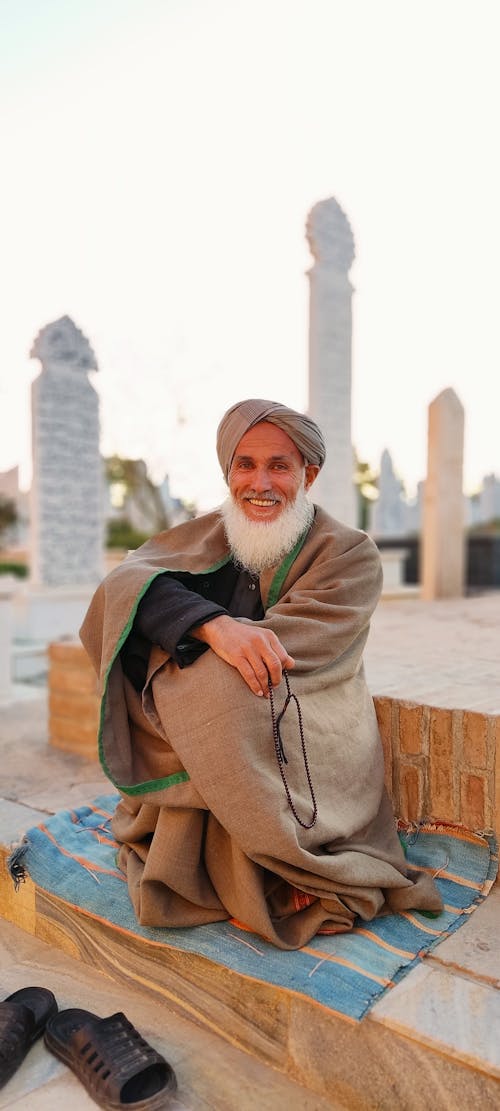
(73, 699)
(441, 763)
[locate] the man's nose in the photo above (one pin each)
(262, 479)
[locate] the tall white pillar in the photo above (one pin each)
(330, 342)
(443, 540)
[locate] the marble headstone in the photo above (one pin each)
(443, 563)
(66, 498)
(389, 511)
(330, 341)
(489, 501)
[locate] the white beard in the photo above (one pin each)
(257, 545)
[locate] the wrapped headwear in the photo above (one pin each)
(305, 434)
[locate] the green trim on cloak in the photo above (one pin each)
(169, 780)
(180, 777)
(283, 569)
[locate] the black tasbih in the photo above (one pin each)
(280, 751)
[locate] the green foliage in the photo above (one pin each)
(486, 528)
(121, 534)
(8, 513)
(20, 570)
(365, 481)
(129, 478)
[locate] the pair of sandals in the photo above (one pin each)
(114, 1063)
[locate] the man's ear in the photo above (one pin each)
(311, 472)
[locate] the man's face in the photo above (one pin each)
(267, 472)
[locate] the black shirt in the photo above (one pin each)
(177, 602)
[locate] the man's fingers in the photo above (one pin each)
(257, 670)
(276, 663)
(268, 662)
(274, 669)
(257, 654)
(248, 673)
(270, 667)
(285, 659)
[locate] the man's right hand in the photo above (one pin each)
(256, 653)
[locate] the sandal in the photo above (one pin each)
(23, 1017)
(114, 1063)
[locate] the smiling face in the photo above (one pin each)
(267, 472)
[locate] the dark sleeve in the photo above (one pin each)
(168, 611)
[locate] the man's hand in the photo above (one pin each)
(256, 653)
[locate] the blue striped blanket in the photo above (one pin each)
(72, 855)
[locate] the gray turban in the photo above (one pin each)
(239, 418)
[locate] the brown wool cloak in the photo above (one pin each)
(205, 828)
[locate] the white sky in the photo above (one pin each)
(159, 159)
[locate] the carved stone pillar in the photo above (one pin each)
(330, 337)
(66, 494)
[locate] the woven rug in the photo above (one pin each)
(72, 855)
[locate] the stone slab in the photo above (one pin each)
(35, 773)
(212, 1075)
(449, 1013)
(15, 819)
(475, 948)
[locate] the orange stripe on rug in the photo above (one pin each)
(334, 959)
(437, 829)
(420, 926)
(384, 944)
(87, 864)
(98, 810)
(449, 876)
(102, 839)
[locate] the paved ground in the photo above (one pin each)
(444, 653)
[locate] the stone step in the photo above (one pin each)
(430, 1041)
(212, 1075)
(29, 660)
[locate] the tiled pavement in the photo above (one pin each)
(444, 653)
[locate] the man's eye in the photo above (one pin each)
(280, 467)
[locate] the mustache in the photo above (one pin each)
(264, 495)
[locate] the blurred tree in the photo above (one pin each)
(121, 534)
(130, 483)
(365, 480)
(8, 515)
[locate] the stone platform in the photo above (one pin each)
(430, 1041)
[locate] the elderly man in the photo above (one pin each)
(236, 720)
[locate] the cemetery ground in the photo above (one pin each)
(431, 1040)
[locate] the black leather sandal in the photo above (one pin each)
(114, 1063)
(23, 1017)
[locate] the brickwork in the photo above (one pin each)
(73, 700)
(441, 763)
